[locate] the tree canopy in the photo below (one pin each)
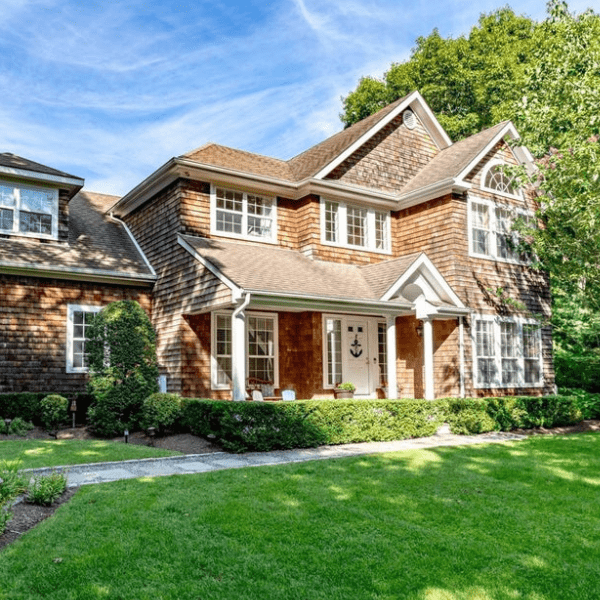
(545, 77)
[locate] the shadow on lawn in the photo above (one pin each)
(505, 521)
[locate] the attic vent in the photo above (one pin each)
(409, 119)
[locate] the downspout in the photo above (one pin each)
(238, 335)
(461, 351)
(244, 304)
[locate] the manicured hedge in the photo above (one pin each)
(242, 426)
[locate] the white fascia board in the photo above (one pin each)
(70, 181)
(435, 130)
(416, 102)
(327, 303)
(76, 274)
(431, 192)
(236, 291)
(423, 264)
(177, 168)
(510, 130)
(348, 193)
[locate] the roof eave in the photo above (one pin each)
(431, 192)
(78, 274)
(72, 184)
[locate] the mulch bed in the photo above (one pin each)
(26, 516)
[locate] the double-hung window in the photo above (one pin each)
(354, 226)
(28, 211)
(261, 349)
(79, 318)
(243, 215)
(491, 233)
(507, 352)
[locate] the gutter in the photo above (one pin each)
(77, 274)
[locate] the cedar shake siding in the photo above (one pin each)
(427, 269)
(389, 159)
(33, 330)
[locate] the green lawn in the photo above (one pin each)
(518, 521)
(30, 454)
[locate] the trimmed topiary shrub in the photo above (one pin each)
(161, 411)
(123, 367)
(54, 411)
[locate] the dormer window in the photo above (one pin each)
(496, 180)
(243, 215)
(28, 211)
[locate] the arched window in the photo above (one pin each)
(495, 179)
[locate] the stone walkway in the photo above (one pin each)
(217, 461)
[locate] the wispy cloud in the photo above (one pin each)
(109, 91)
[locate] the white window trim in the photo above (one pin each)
(497, 384)
(520, 212)
(342, 230)
(72, 308)
(242, 236)
(17, 187)
(213, 346)
(494, 163)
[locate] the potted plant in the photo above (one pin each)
(344, 390)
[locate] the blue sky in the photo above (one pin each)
(109, 91)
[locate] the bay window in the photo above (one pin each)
(355, 227)
(28, 211)
(507, 352)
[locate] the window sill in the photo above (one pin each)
(356, 248)
(244, 238)
(507, 261)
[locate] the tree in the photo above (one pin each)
(469, 82)
(123, 366)
(559, 121)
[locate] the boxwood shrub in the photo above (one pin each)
(243, 426)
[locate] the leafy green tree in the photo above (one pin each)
(559, 120)
(123, 366)
(469, 82)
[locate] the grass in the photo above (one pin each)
(30, 454)
(498, 522)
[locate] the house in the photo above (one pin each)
(383, 256)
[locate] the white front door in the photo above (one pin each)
(357, 363)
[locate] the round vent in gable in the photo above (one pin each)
(409, 119)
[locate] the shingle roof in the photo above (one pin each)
(381, 276)
(96, 242)
(222, 156)
(16, 162)
(451, 161)
(272, 269)
(303, 165)
(311, 161)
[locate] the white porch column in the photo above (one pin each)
(461, 343)
(238, 351)
(392, 380)
(428, 358)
